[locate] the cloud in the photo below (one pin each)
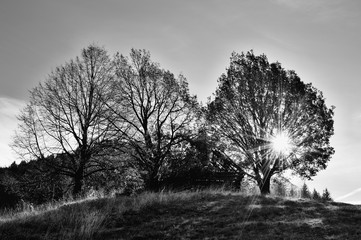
(9, 109)
(290, 3)
(348, 194)
(321, 10)
(357, 116)
(297, 4)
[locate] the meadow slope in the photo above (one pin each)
(187, 215)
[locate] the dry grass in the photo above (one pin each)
(79, 219)
(208, 214)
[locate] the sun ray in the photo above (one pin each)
(281, 143)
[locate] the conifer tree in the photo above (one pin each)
(305, 193)
(326, 196)
(315, 195)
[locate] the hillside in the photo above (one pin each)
(188, 215)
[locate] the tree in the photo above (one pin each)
(67, 117)
(157, 109)
(292, 193)
(280, 189)
(315, 195)
(271, 120)
(326, 196)
(9, 193)
(305, 193)
(37, 182)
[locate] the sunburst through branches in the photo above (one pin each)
(281, 144)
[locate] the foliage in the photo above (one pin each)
(326, 196)
(195, 166)
(255, 102)
(133, 182)
(305, 192)
(34, 182)
(280, 189)
(95, 118)
(124, 124)
(293, 193)
(9, 194)
(315, 195)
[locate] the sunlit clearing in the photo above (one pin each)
(282, 144)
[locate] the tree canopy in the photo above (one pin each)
(157, 109)
(270, 119)
(96, 112)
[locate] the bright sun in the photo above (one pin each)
(281, 143)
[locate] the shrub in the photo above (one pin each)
(133, 182)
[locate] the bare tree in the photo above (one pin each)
(68, 118)
(158, 109)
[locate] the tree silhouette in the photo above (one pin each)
(326, 196)
(305, 192)
(67, 118)
(315, 195)
(157, 109)
(270, 120)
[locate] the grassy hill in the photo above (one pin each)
(186, 215)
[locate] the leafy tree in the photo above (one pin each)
(9, 193)
(67, 116)
(156, 109)
(326, 196)
(271, 120)
(36, 182)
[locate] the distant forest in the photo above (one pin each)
(123, 124)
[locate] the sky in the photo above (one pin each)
(319, 39)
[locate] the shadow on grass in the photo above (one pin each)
(237, 217)
(191, 215)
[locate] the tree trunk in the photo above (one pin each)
(237, 181)
(265, 185)
(152, 182)
(78, 183)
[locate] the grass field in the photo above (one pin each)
(186, 215)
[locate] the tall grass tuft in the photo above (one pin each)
(84, 218)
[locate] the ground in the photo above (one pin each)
(189, 215)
